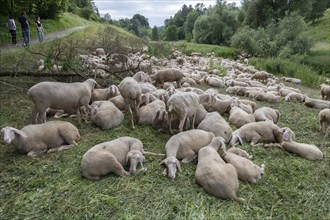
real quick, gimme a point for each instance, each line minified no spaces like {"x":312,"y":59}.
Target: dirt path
{"x":48,"y":37}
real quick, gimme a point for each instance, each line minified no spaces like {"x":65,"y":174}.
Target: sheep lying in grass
{"x":316,"y":103}
{"x":324,"y":117}
{"x":167,"y":75}
{"x":307,"y":151}
{"x":153,"y":113}
{"x":131,"y":92}
{"x":258,"y":133}
{"x":294,"y":96}
{"x":184,"y":146}
{"x":60,"y":113}
{"x":325,"y":91}
{"x":59,"y":95}
{"x":239,"y":117}
{"x":105,"y":94}
{"x":47,"y":137}
{"x":106,"y":115}
{"x":245,"y":168}
{"x":112,"y":157}
{"x":267,"y":113}
{"x":215,"y":176}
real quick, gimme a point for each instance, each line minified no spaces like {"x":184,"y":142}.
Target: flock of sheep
{"x":163,"y":94}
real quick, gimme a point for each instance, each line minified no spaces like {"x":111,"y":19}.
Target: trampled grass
{"x":51,"y":187}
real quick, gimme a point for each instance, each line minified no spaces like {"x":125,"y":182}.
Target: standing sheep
{"x":325,"y":91}
{"x":112,"y":157}
{"x":40,"y":138}
{"x":131,"y":91}
{"x":59,"y":95}
{"x":184,"y":146}
{"x":167,"y":75}
{"x":215,"y":176}
{"x":324,"y":117}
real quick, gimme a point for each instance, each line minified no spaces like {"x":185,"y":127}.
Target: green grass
{"x":320,"y":29}
{"x":51,"y":187}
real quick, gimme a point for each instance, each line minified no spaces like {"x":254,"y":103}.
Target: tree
{"x":317,"y":10}
{"x":143,"y":21}
{"x":171,"y":33}
{"x":154,"y":34}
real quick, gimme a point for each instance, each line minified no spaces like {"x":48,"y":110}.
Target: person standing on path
{"x":40,"y":30}
{"x":12,"y":30}
{"x":25,"y":28}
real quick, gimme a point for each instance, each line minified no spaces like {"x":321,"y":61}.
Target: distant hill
{"x":320,"y":29}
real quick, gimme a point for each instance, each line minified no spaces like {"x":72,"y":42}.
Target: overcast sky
{"x":155,"y":10}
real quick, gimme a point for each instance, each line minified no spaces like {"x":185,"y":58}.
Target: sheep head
{"x":172,"y":164}
{"x":134,"y":157}
{"x":9,"y":134}
{"x":288,"y":134}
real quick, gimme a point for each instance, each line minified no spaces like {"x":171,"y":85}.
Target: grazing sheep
{"x":40,"y":138}
{"x":184,"y":146}
{"x":267,"y":113}
{"x":325,"y":91}
{"x":59,"y":95}
{"x":294,"y":96}
{"x":112,"y":157}
{"x":215,"y":176}
{"x":324,"y":117}
{"x":245,"y":168}
{"x":239,"y":117}
{"x":106,"y":115}
{"x":104,"y":94}
{"x":239,"y":152}
{"x":213,"y":122}
{"x":316,"y":103}
{"x":167,"y":75}
{"x":307,"y":151}
{"x":257,"y":133}
{"x":183,"y":106}
{"x":131,"y":92}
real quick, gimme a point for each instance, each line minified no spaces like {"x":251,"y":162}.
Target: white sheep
{"x":316,"y":103}
{"x":294,"y":96}
{"x":262,"y":76}
{"x":324,"y":118}
{"x":152,"y":113}
{"x":184,"y":146}
{"x":213,"y":122}
{"x":167,"y":75}
{"x":131,"y":92}
{"x":40,"y":138}
{"x":142,"y":77}
{"x":307,"y":151}
{"x":239,"y":117}
{"x":105,"y":94}
{"x":267,"y":113}
{"x":325,"y":91}
{"x":215,"y":176}
{"x":106,"y":115}
{"x":268,"y":97}
{"x":257,"y":133}
{"x":112,"y":157}
{"x":60,"y":95}
{"x":239,"y":152}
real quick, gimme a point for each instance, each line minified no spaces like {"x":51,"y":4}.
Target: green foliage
{"x":154,"y":34}
{"x":159,"y":49}
{"x":319,"y":30}
{"x":171,"y":33}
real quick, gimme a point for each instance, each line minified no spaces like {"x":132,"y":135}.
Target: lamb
{"x":215,"y":176}
{"x":184,"y":146}
{"x":106,"y":115}
{"x":104,"y":94}
{"x":316,"y":103}
{"x":213,"y":122}
{"x":184,"y":106}
{"x":59,"y":95}
{"x":258,"y":132}
{"x":245,"y":168}
{"x":294,"y":96}
{"x":239,"y":117}
{"x":167,"y":75}
{"x":112,"y":157}
{"x":325,"y":91}
{"x":40,"y":138}
{"x":307,"y":151}
{"x":267,"y":113}
{"x":131,"y":92}
{"x":324,"y":117}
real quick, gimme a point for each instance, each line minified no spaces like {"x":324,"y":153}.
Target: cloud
{"x":155,"y":10}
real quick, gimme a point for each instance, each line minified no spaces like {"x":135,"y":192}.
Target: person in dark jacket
{"x":25,"y":28}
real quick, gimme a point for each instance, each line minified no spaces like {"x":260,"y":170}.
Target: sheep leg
{"x":128,"y":107}
{"x":63,"y":147}
{"x":170,"y":122}
{"x":34,"y":115}
{"x":189,"y":158}
{"x":36,"y":152}
{"x":182,"y":121}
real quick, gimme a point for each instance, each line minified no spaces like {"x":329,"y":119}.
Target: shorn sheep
{"x":325,"y":91}
{"x":41,"y":138}
{"x":215,"y":176}
{"x":167,"y":75}
{"x":58,"y":95}
{"x":324,"y":117}
{"x":131,"y":91}
{"x":106,"y":115}
{"x":112,"y":157}
{"x":267,"y":113}
{"x":105,"y":94}
{"x":184,"y":146}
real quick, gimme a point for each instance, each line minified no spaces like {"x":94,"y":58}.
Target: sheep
{"x":239,"y":152}
{"x":60,"y":113}
{"x":112,"y":157}
{"x":215,"y":176}
{"x":267,"y":113}
{"x":257,"y":133}
{"x":213,"y":122}
{"x":221,"y":106}
{"x":239,"y":117}
{"x":316,"y":103}
{"x":60,"y":95}
{"x":119,"y":102}
{"x":37,"y":139}
{"x":200,"y":114}
{"x":291,"y":80}
{"x":148,"y":113}
{"x":147,"y":88}
{"x":268,"y":97}
{"x":167,"y":75}
{"x":105,"y":94}
{"x":184,"y":146}
{"x":184,"y":106}
{"x":106,"y":115}
{"x":324,"y":118}
{"x":131,"y":91}
{"x":294,"y":96}
{"x":245,"y":168}
{"x":325,"y":91}
{"x":248,"y":102}
{"x":262,"y":76}
{"x":306,"y":151}
{"x":142,"y":77}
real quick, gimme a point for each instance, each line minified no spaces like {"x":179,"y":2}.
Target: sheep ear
{"x":178,"y":165}
{"x":19,"y":132}
{"x":129,"y":154}
{"x":162,"y":162}
{"x":240,"y":140}
{"x":286,"y":135}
